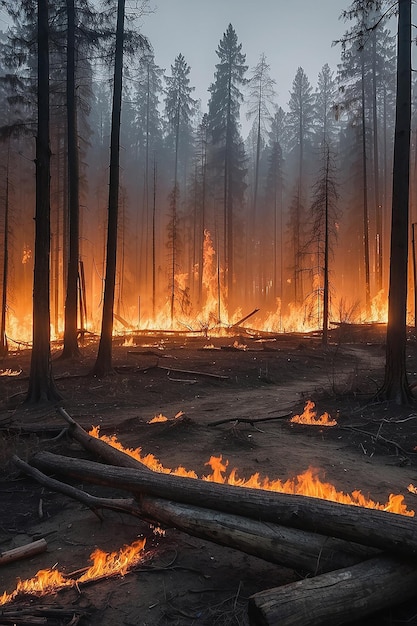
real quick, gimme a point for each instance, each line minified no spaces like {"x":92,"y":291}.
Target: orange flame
{"x":309,"y":416}
{"x":105,"y":564}
{"x":307,"y":483}
{"x":163,"y":418}
{"x":158,"y":418}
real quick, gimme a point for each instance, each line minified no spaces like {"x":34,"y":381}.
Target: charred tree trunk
{"x":41,"y":383}
{"x":70,"y":332}
{"x":103,"y":364}
{"x":337,"y":597}
{"x":365,"y":192}
{"x":395,"y":386}
{"x":380,"y":529}
{"x":3,"y":337}
{"x":298,"y":549}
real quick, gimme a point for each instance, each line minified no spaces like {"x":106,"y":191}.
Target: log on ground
{"x":387,"y":531}
{"x":23,"y":552}
{"x":337,"y":597}
{"x":297,"y":549}
{"x":309,"y":552}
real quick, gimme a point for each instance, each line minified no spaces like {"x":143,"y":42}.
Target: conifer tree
{"x":227,"y":160}
{"x":179,"y":109}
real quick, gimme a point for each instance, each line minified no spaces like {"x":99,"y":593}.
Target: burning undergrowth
{"x":308,"y":483}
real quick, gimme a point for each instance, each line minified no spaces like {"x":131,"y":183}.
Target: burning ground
{"x":223,"y":397}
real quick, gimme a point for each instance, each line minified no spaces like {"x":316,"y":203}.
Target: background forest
{"x":290,"y":219}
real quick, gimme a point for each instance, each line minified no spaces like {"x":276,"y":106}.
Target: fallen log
{"x":298,"y":549}
{"x":121,"y":505}
{"x":243,"y":319}
{"x":380,"y":529}
{"x":98,"y":447}
{"x":23,"y":552}
{"x":337,"y":597}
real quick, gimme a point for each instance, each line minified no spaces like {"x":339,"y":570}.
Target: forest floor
{"x":187,"y":580}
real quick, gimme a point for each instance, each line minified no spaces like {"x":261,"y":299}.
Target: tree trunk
{"x":365,"y":193}
{"x":70,"y":332}
{"x":310,"y":552}
{"x":41,"y":384}
{"x":375,"y":528}
{"x":3,"y":337}
{"x":23,"y":552}
{"x":395,"y":386}
{"x":103,"y":364}
{"x":337,"y":597}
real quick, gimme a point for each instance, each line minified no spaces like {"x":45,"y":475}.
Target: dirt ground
{"x":185,"y":580}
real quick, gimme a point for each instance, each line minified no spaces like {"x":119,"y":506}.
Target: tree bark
{"x":103,"y":364}
{"x":41,"y":384}
{"x":71,"y":348}
{"x":100,"y":448}
{"x":23,"y":552}
{"x":297,"y":549}
{"x":337,"y":597}
{"x":380,"y":529}
{"x":395,"y":386}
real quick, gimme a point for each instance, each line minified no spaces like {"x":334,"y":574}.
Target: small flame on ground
{"x":105,"y":564}
{"x":307,"y":483}
{"x":412,"y":489}
{"x":163,"y":418}
{"x":10,"y":372}
{"x":309,"y":416}
{"x":158,"y":418}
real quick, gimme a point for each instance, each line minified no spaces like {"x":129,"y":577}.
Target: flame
{"x":104,"y":564}
{"x":158,"y":418}
{"x":309,"y":416}
{"x":308,"y":483}
{"x":412,"y":489}
{"x":26,"y":255}
{"x":163,"y":418}
{"x":205,"y":312}
{"x":10,"y":372}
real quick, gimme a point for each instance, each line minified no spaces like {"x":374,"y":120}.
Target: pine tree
{"x":41,"y":383}
{"x":227,"y":160}
{"x":300,"y":120}
{"x":179,"y":110}
{"x":274,"y":198}
{"x":323,"y":234}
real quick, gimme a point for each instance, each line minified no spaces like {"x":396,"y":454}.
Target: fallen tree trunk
{"x":23,"y":552}
{"x":297,"y":549}
{"x":293,"y":548}
{"x":337,"y":597}
{"x":386,"y":531}
{"x":121,"y":505}
{"x":98,"y":447}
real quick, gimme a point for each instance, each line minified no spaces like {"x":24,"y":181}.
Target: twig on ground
{"x":249,"y":420}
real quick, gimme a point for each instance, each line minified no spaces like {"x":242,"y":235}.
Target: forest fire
{"x":308,"y":483}
{"x":309,"y":417}
{"x":210,"y":314}
{"x":104,"y":565}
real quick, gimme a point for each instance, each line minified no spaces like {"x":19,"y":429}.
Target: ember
{"x":307,"y":483}
{"x":309,"y":417}
{"x":104,"y":565}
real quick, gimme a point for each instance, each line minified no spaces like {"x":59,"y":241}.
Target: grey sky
{"x":291,"y":33}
